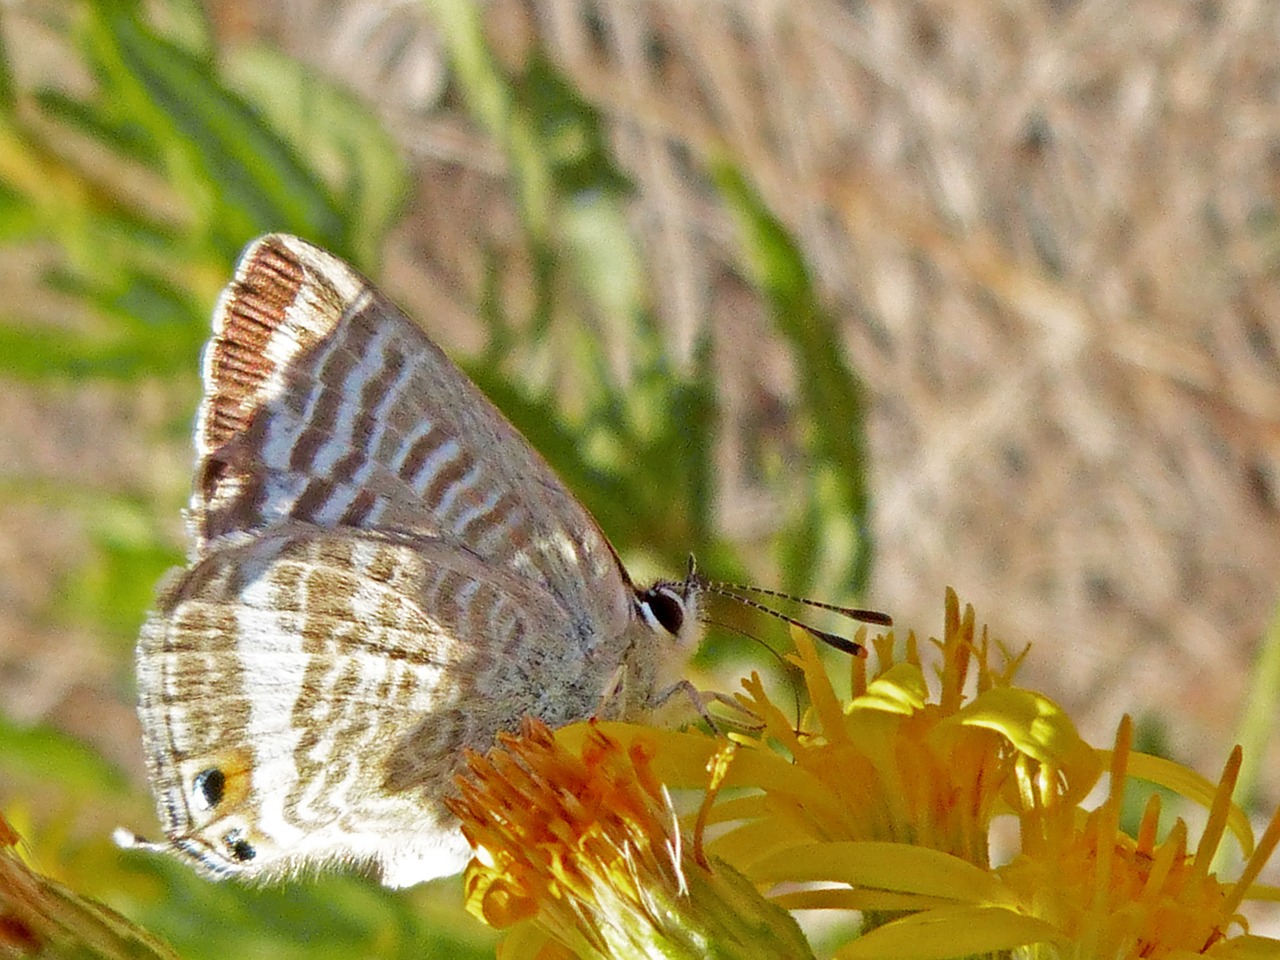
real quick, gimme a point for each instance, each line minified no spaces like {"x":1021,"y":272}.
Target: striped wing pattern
{"x":382,"y":572}
{"x":333,"y":678}
{"x":324,"y":403}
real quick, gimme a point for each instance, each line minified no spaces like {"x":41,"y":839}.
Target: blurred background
{"x":857,"y":299}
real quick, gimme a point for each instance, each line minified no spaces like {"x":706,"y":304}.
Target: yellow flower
{"x":584,"y":839}
{"x":881,"y":805}
{"x":882,"y":783}
{"x":1107,"y":895}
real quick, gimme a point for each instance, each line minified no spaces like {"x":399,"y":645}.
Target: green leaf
{"x":18,"y":219}
{"x":120,"y":134}
{"x":332,"y":916}
{"x":694,"y":417}
{"x":343,"y":142}
{"x":113,"y":590}
{"x":569,"y":132}
{"x":41,"y":356}
{"x":212,"y":139}
{"x":1262,"y":706}
{"x":40,"y":754}
{"x":149,"y":328}
{"x":829,"y":388}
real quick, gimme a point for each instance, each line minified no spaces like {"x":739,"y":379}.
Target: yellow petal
{"x":1245,"y":947}
{"x":821,"y":695}
{"x":680,"y":759}
{"x":948,"y":932}
{"x":1264,"y":892}
{"x":900,"y":690}
{"x":750,"y":843}
{"x":1189,"y":784}
{"x":845,"y":898}
{"x":526,"y":941}
{"x":886,"y":866}
{"x":1037,"y":727}
{"x":752,"y":806}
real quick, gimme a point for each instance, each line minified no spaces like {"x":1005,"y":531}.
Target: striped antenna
{"x":734,"y":591}
{"x":853,"y":613}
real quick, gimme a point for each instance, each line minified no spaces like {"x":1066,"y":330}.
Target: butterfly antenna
{"x":843,"y":644}
{"x":731,"y":592}
{"x":852,"y":613}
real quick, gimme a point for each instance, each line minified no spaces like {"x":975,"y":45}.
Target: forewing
{"x":330,"y":679}
{"x":325,"y":404}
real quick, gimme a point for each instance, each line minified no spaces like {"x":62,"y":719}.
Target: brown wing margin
{"x":236,"y":365}
{"x":274,"y":309}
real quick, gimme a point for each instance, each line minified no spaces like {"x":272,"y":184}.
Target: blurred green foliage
{"x":232,"y":149}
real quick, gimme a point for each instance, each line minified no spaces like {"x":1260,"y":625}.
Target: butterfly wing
{"x":383,"y":572}
{"x":306,"y":696}
{"x":325,"y":404}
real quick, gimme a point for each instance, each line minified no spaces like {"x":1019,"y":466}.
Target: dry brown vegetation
{"x":1050,"y":232}
{"x":1048,"y":228}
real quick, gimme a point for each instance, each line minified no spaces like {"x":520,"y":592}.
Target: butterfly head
{"x":672,"y":608}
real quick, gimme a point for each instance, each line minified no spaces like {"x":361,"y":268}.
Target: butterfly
{"x":382,"y":572}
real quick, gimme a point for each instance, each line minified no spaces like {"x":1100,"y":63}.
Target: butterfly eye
{"x":664,"y":607}
{"x":209,"y":786}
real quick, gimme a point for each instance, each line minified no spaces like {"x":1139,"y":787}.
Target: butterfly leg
{"x":616,"y":704}
{"x":613,"y":697}
{"x":702,"y":700}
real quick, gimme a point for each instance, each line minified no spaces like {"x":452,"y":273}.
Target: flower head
{"x":1107,"y":894}
{"x":584,"y":838}
{"x":880,"y":805}
{"x":900,"y":763}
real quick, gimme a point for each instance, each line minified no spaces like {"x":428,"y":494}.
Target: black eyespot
{"x":666,"y":609}
{"x":210,"y":785}
{"x":240,"y":848}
